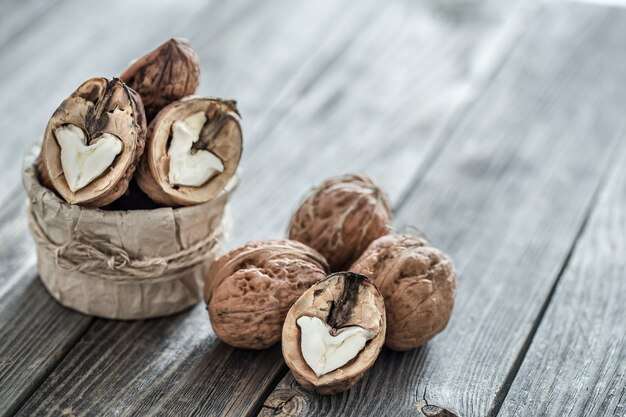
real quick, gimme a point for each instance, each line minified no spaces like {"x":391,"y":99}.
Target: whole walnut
{"x":167,"y":74}
{"x":418,"y":283}
{"x":341,"y":217}
{"x":250,"y":290}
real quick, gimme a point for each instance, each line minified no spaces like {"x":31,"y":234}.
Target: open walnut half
{"x":193,"y":150}
{"x":93,"y":142}
{"x":334,"y":332}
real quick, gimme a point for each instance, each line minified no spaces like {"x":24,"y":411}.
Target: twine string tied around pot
{"x":102,"y":259}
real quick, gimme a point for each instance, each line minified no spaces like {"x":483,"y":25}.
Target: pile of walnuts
{"x":142,"y":140}
{"x":342,"y":284}
{"x":385,"y":287}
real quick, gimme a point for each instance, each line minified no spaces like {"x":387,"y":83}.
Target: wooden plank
{"x":506,"y":199}
{"x":235,"y":25}
{"x":361,"y":118}
{"x":186,"y":370}
{"x":576,"y":365}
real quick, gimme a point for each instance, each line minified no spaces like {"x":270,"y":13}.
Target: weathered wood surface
{"x":327,"y":88}
{"x":506,"y":197}
{"x":194,"y":344}
{"x":576,"y":364}
{"x":23,"y":369}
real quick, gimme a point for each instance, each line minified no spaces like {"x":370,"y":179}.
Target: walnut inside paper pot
{"x":167,"y":74}
{"x":93,"y":142}
{"x":192,"y":151}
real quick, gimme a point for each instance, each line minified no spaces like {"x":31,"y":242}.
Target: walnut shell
{"x":250,"y":289}
{"x":342,"y":300}
{"x":222,"y":137}
{"x":97,"y":106}
{"x":418,"y":282}
{"x":341,"y":217}
{"x":167,"y":74}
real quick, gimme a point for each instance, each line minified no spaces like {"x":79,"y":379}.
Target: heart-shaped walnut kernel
{"x":324,"y":351}
{"x":186,"y":167}
{"x":93,"y":142}
{"x":84,"y":163}
{"x":193,"y":151}
{"x":167,"y":74}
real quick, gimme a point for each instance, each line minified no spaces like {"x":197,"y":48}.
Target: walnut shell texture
{"x":167,"y":74}
{"x":323,"y":300}
{"x":418,"y":282}
{"x":341,"y":217}
{"x":97,"y":106}
{"x":250,"y":289}
{"x":226,"y":143}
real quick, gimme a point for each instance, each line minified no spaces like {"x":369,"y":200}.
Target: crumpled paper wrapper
{"x":123,"y":264}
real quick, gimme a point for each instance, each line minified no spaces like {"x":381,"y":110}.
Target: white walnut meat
{"x":165,"y":75}
{"x":418,"y":282}
{"x":93,"y":142}
{"x":193,"y":150}
{"x":341,"y":217}
{"x":334,"y":332}
{"x":250,"y":289}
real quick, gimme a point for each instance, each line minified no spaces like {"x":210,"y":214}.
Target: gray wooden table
{"x":498,"y":128}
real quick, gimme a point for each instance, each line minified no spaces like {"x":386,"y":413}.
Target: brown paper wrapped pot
{"x":123,"y":264}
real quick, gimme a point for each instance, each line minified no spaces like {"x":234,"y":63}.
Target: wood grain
{"x":358,"y":118}
{"x":576,"y":365}
{"x":240,"y":25}
{"x":506,"y":198}
{"x":180,"y":371}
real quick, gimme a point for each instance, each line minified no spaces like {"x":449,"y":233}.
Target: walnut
{"x":93,"y":142}
{"x":169,"y":73}
{"x":341,"y":217}
{"x":250,"y":289}
{"x":334,"y":332}
{"x":418,"y":282}
{"x":193,"y":150}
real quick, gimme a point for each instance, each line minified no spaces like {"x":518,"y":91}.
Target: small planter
{"x":123,"y":264}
